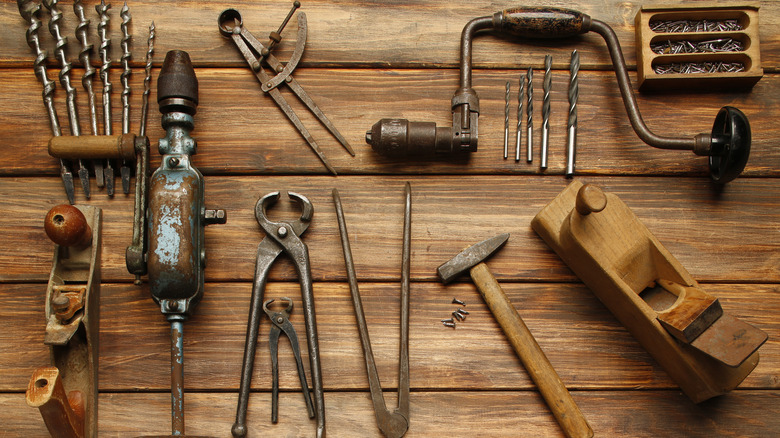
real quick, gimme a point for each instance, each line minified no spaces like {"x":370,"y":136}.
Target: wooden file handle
{"x":531,"y":355}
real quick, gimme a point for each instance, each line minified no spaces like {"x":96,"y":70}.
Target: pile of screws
{"x":458,"y":314}
{"x":677,"y":26}
{"x":699,"y":67}
{"x":669,"y":47}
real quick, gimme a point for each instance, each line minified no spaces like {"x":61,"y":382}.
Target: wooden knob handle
{"x":62,"y":413}
{"x":531,"y":355}
{"x":590,"y":199}
{"x":66,"y":226}
{"x":93,"y":146}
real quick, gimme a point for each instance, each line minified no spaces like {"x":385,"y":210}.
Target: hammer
{"x":539,"y":368}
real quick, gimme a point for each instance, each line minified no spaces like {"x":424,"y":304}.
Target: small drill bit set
{"x":571,"y":131}
{"x":703,"y":47}
{"x":102,"y":152}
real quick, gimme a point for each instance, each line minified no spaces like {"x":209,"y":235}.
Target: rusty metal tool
{"x":531,"y":355}
{"x":177,"y":217}
{"x":727,"y":145}
{"x":571,"y":131}
{"x":66,"y":392}
{"x":61,"y":43}
{"x":519,"y":133}
{"x":703,"y":349}
{"x":256,"y":55}
{"x":82,"y":30}
{"x":282,"y":236}
{"x":280,"y":321}
{"x":546,"y":85}
{"x":105,"y":57}
{"x":124,"y":13}
{"x":529,"y":111}
{"x":31,"y":12}
{"x":392,"y":424}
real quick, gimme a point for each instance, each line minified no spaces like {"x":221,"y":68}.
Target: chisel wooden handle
{"x":531,"y":355}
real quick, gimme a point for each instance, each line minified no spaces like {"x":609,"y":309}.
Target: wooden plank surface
{"x":365,"y":61}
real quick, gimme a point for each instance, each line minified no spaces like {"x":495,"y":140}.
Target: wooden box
{"x":745,"y":32}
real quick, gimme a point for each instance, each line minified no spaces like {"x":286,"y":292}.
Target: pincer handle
{"x":541,"y":22}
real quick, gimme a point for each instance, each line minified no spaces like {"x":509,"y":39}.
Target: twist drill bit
{"x":147,"y":81}
{"x":574,"y":91}
{"x":519,"y":117}
{"x":31,"y":12}
{"x":105,"y":42}
{"x":506,"y":121}
{"x":530,"y":115}
{"x":546,"y":85}
{"x":124,"y":170}
{"x":59,"y":50}
{"x":86,"y":80}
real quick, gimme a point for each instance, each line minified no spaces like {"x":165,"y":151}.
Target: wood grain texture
{"x":456,"y":414}
{"x":367,"y":60}
{"x":358,"y":33}
{"x":705,"y":229}
{"x":239,"y":130}
{"x":587,"y":346}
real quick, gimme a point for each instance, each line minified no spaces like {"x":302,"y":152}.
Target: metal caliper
{"x":256,"y":54}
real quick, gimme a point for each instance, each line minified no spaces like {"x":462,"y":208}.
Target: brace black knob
{"x":730,"y":144}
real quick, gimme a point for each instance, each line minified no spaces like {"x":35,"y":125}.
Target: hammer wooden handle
{"x":531,"y":355}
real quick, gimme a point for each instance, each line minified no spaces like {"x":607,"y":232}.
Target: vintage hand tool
{"x":31,"y":12}
{"x":546,"y":85}
{"x":706,"y":351}
{"x":728,"y":144}
{"x":506,"y":120}
{"x":176,"y":256}
{"x":531,"y":355}
{"x":282,"y":236}
{"x":256,"y":54}
{"x":82,"y":30}
{"x":124,"y":170}
{"x":281,"y":323}
{"x":392,"y":424}
{"x":519,"y":134}
{"x":105,"y":57}
{"x":571,"y":131}
{"x":66,"y":393}
{"x":61,"y":43}
{"x":529,"y":111}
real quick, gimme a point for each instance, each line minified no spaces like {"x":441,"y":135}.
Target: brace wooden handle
{"x":62,"y":413}
{"x":93,"y":146}
{"x":531,"y":355}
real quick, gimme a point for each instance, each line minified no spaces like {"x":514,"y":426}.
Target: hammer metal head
{"x":470,"y":257}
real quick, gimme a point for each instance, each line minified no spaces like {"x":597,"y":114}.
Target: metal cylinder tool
{"x":727,"y":145}
{"x":176,"y":216}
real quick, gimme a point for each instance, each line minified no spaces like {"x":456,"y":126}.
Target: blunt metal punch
{"x":256,"y":55}
{"x":66,"y":392}
{"x":705,"y":350}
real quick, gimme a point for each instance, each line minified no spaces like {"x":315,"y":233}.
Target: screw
{"x":173,"y":161}
{"x":462,"y":312}
{"x":457,"y":301}
{"x":448,"y":320}
{"x":458,"y":316}
{"x":449,"y":324}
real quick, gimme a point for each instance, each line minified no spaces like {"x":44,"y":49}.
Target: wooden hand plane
{"x":66,"y":392}
{"x":704,"y":350}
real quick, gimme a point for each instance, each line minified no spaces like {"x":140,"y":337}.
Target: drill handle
{"x":541,"y":22}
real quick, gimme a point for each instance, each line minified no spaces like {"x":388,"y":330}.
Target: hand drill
{"x":176,"y":256}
